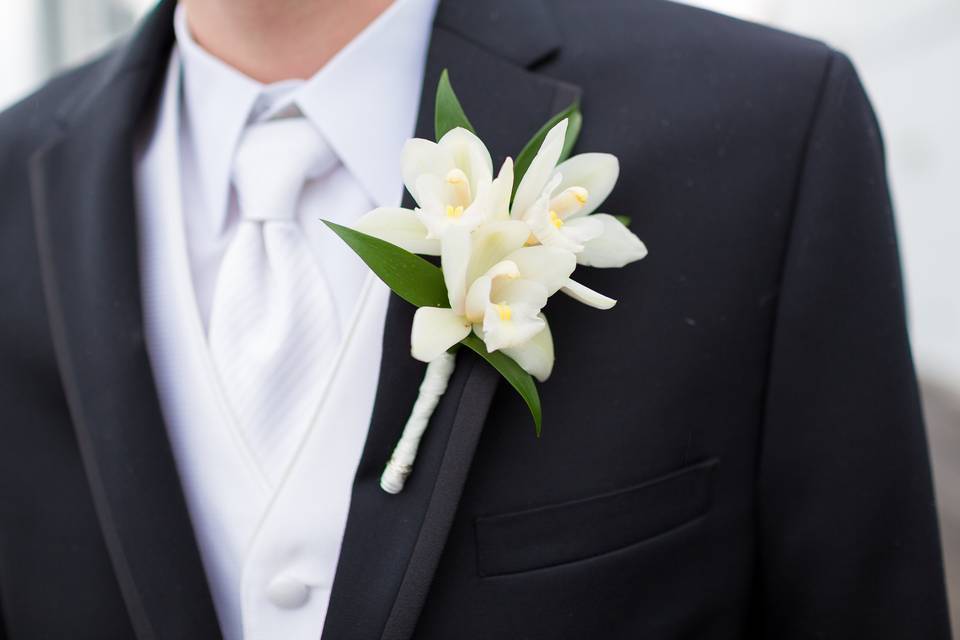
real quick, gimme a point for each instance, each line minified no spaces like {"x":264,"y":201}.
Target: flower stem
{"x":431,"y":389}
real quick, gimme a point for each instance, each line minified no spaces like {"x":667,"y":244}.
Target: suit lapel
{"x":392,"y":544}
{"x":82,"y":186}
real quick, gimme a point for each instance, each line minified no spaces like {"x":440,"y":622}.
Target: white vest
{"x":270,"y":552}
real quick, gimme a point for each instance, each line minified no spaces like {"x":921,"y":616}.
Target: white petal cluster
{"x":501,"y":262}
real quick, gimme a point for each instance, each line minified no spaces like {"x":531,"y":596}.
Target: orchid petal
{"x":596,"y":172}
{"x":423,"y":157}
{"x":551,"y":186}
{"x":479,"y":210}
{"x":581,"y":230}
{"x":518,"y":291}
{"x":541,"y":167}
{"x":586,"y":295}
{"x":478,"y":297}
{"x":550,"y":266}
{"x":536,"y":356}
{"x":436,"y":194}
{"x":500,"y":192}
{"x":547,"y":230}
{"x":435,"y":330}
{"x":454,"y":260}
{"x":433,"y":194}
{"x":398,"y":226}
{"x":492,"y":242}
{"x":520,"y":325}
{"x":615,"y":247}
{"x":504,"y":269}
{"x":469,"y":155}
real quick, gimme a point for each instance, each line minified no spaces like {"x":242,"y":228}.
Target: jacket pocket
{"x":580,"y":529}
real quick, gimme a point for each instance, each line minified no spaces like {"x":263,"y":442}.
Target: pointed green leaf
{"x":448,"y":113}
{"x":624,"y":220}
{"x":514,"y":374}
{"x":408,"y":275}
{"x":525,"y":157}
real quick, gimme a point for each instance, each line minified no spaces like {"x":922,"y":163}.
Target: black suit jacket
{"x":734,"y":451}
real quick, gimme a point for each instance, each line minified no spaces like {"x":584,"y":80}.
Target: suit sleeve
{"x":847,"y":529}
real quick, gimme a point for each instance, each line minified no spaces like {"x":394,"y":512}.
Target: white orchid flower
{"x":541,"y":271}
{"x":502,"y":262}
{"x":452,"y":183}
{"x":557,"y":201}
{"x":506,"y":307}
{"x":496,"y":287}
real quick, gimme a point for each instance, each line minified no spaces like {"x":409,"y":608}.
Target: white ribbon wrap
{"x":431,"y":389}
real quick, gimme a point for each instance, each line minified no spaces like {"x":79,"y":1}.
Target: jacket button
{"x":287,"y":593}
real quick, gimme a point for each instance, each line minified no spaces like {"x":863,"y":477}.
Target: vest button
{"x":287,"y":593}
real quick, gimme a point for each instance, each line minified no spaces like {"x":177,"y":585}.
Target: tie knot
{"x":273,"y":162}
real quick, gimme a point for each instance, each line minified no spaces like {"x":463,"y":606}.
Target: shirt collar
{"x":364,"y":102}
{"x":216,"y":103}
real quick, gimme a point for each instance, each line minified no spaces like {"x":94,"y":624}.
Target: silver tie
{"x":273,"y":328}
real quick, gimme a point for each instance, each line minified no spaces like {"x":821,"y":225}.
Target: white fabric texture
{"x":270,"y":542}
{"x":273,"y":329}
{"x":432,"y":388}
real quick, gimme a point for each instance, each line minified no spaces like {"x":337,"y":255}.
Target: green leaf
{"x":624,"y":220}
{"x":515,"y":375}
{"x":409,"y":276}
{"x":525,"y":157}
{"x":448,"y":113}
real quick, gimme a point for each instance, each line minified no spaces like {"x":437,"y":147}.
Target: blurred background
{"x":908,"y":54}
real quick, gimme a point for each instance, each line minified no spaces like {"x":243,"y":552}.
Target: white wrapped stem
{"x":431,"y":389}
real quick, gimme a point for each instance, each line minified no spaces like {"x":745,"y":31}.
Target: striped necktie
{"x":273,"y":328}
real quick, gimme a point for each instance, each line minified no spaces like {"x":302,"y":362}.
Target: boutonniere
{"x":506,"y":243}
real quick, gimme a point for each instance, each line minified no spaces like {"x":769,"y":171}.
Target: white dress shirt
{"x":364,"y":103}
{"x":270,"y":542}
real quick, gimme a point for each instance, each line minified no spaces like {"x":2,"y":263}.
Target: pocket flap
{"x":579,"y":529}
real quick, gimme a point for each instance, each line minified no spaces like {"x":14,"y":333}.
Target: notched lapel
{"x":393,"y":543}
{"x":82,"y":188}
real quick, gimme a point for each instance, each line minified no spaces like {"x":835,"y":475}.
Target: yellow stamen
{"x":580,"y":195}
{"x":454,"y":211}
{"x":555,"y":220}
{"x":504,"y":312}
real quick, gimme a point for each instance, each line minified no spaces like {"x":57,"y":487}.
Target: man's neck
{"x":273,"y":40}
